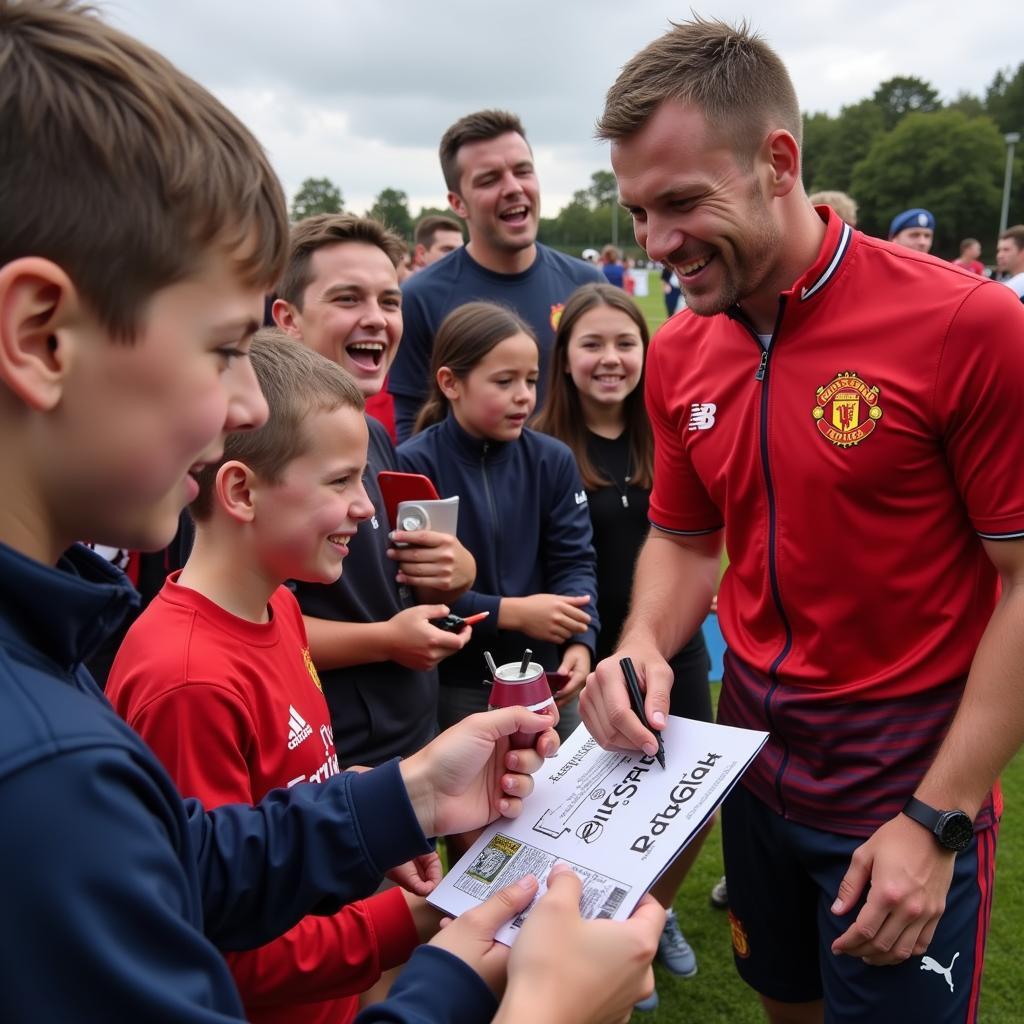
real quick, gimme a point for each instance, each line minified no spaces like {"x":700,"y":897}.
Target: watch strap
{"x":922,"y":813}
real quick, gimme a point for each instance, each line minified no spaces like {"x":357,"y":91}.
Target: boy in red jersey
{"x":216,"y":675}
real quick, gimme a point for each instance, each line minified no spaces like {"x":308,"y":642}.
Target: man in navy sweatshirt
{"x":492,"y":185}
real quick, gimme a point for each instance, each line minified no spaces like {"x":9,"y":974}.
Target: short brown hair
{"x":966,"y":244}
{"x":119,"y":168}
{"x":326,"y":229}
{"x":428,"y":227}
{"x":296,"y":382}
{"x":478,"y":127}
{"x":1015,"y":234}
{"x":729,"y":73}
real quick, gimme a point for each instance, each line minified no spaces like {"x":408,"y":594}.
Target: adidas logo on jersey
{"x":298,"y":728}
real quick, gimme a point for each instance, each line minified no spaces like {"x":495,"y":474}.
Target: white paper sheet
{"x":618,"y":819}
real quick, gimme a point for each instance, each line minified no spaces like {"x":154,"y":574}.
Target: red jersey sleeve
{"x":201,"y":734}
{"x":679,"y":501}
{"x":327,"y":957}
{"x":979,"y":397}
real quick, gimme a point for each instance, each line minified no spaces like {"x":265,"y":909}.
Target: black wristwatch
{"x":952,"y":829}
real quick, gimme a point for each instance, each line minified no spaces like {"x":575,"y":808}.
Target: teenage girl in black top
{"x":595,"y":405}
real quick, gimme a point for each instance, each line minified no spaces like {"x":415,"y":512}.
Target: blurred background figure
{"x":435,"y":236}
{"x":970,"y":256}
{"x":914,"y":229}
{"x":611,"y":266}
{"x":843,"y":204}
{"x":1010,"y":258}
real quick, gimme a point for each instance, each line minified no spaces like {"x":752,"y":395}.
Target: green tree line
{"x":901,"y":147}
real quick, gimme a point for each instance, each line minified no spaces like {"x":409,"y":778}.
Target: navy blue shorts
{"x":783,"y":877}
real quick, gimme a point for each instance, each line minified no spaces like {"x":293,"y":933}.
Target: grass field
{"x":717,"y":996}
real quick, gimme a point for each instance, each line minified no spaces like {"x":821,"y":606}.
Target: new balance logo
{"x":702,"y":415}
{"x":928,"y":964}
{"x":298,"y":728}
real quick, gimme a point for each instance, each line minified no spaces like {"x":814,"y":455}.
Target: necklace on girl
{"x":624,"y":487}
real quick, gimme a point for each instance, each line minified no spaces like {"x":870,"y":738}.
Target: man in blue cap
{"x":914,"y":229}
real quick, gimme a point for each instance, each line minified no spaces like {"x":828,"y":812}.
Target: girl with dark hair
{"x":522,"y":509}
{"x":595,"y":404}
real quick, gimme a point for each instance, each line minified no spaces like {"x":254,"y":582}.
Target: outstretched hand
{"x":419,"y":875}
{"x":468,"y":776}
{"x":471,"y":936}
{"x":567,"y":969}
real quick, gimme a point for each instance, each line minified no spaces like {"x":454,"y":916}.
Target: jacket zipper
{"x":495,"y":532}
{"x":762,"y":376}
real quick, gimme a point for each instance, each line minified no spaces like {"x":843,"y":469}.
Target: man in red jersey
{"x":843,"y":413}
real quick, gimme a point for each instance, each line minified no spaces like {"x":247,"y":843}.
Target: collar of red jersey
{"x":834,"y":247}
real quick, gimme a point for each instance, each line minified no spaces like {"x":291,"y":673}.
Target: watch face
{"x":955,"y":830}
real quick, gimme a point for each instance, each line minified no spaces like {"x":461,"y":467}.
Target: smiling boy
{"x":370,"y":632}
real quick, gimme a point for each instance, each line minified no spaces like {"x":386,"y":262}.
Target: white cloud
{"x":360,"y":91}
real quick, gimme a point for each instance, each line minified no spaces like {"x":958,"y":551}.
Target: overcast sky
{"x":360,"y":91}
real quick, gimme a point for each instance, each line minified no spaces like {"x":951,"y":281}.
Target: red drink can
{"x":529,"y":689}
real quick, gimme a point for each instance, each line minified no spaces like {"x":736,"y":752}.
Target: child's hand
{"x":567,"y":969}
{"x":576,"y":664}
{"x":432,"y":559}
{"x":416,"y":644}
{"x":551,"y":617}
{"x":471,"y":936}
{"x":419,"y":875}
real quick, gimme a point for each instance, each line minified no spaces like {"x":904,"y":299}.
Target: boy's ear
{"x":286,"y":316}
{"x":38,"y":303}
{"x":233,"y":491}
{"x":448,"y":383}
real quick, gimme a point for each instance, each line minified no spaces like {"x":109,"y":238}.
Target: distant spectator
{"x":590,"y":255}
{"x":611,"y":266}
{"x":406,"y":267}
{"x":914,"y":229}
{"x":843,"y":204}
{"x":670,"y":288}
{"x":970,"y":250}
{"x":628,"y":281}
{"x":434,"y":237}
{"x":1010,"y":258}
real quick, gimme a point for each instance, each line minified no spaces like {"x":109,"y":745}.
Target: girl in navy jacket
{"x":522,"y":509}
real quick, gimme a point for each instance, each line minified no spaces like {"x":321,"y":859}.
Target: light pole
{"x":1011,"y":139}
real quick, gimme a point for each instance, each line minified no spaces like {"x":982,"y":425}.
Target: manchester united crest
{"x":740,"y":941}
{"x":846,"y":409}
{"x":311,"y":668}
